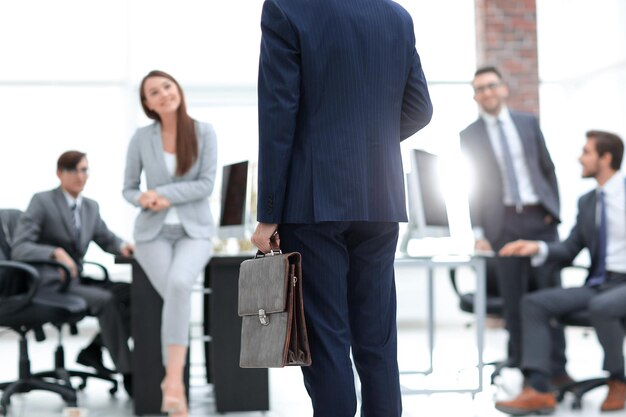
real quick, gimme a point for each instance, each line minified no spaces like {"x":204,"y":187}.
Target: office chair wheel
{"x":3,"y":410}
{"x":113,"y":390}
{"x":577,"y":403}
{"x":83,"y":384}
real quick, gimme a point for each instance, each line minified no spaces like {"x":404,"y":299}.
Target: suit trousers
{"x":606,"y":308}
{"x":112,"y":314}
{"x":517,"y":277}
{"x":350,"y":303}
{"x":172,"y":261}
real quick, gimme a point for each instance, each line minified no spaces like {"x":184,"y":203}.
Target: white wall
{"x":582,"y":66}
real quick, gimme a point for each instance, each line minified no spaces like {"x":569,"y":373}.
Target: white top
{"x":524,"y":183}
{"x":615,"y":200}
{"x":170,"y":164}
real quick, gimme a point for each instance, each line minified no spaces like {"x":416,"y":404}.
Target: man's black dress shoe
{"x":93,"y":358}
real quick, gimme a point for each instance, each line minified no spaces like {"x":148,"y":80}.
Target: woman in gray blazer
{"x":174,"y":227}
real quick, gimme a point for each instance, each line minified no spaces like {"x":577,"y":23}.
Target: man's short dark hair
{"x":69,"y":160}
{"x":485,"y":70}
{"x":608,"y":142}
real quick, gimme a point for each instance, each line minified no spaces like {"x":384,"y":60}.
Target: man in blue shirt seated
{"x":601,"y":228}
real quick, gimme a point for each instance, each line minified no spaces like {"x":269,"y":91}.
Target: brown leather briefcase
{"x":273,"y":331}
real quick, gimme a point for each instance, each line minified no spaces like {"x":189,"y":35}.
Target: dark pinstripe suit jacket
{"x":583,"y":235}
{"x":340,"y":85}
{"x":486,"y":203}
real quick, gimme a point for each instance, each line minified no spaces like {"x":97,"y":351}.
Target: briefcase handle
{"x":275,"y":238}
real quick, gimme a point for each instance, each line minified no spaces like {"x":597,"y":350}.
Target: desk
{"x":431,"y":263}
{"x":235,"y":388}
{"x":145,"y":328}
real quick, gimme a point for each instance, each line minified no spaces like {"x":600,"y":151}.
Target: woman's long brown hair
{"x":186,"y":140}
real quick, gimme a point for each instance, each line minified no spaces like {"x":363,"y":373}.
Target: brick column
{"x":506,"y":37}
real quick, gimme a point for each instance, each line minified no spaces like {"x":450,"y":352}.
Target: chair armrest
{"x":455,"y":286}
{"x":31,"y":274}
{"x":56,"y":264}
{"x":105,"y":271}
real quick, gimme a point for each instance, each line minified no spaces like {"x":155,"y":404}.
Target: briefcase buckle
{"x":265,"y":321}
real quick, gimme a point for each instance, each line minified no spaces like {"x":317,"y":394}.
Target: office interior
{"x":69,"y":74}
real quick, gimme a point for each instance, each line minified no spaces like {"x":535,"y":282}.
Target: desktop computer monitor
{"x":428,"y":216}
{"x":235,"y":207}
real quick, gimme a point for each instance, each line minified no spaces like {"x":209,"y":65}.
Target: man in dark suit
{"x":515,"y":197}
{"x":601,"y":228}
{"x":60,"y":224}
{"x":340,"y":85}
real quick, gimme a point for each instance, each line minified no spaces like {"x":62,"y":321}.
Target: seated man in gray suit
{"x":59,"y":224}
{"x":601,"y":228}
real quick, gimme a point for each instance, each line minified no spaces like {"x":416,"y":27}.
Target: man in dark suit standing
{"x":601,"y":228}
{"x":515,"y":197}
{"x":60,"y":224}
{"x":340,"y":85}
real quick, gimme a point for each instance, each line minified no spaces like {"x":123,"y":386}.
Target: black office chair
{"x":8,"y":221}
{"x":22,"y":312}
{"x":494,"y":305}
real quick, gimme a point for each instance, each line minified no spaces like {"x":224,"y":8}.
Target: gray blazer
{"x":189,"y":193}
{"x":47,"y":224}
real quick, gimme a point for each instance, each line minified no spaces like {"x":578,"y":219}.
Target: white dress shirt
{"x":524,"y":183}
{"x":170,"y":164}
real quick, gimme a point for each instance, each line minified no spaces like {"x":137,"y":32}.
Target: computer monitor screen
{"x":428,"y":216}
{"x":235,"y":200}
{"x":433,"y":204}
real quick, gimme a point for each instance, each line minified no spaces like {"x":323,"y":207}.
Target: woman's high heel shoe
{"x":173,"y":405}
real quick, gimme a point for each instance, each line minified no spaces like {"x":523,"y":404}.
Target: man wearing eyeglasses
{"x":60,"y":224}
{"x":515,"y":196}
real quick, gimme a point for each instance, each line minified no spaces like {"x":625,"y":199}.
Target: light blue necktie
{"x":74,"y":208}
{"x":510,"y":171}
{"x":599,"y":272}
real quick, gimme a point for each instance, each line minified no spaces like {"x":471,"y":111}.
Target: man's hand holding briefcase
{"x":273,"y":330}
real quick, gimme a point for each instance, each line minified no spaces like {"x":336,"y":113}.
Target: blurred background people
{"x":173,"y":230}
{"x":60,"y":224}
{"x":601,"y":228}
{"x":515,"y":197}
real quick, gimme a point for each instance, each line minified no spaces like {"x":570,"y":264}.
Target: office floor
{"x":453,"y":358}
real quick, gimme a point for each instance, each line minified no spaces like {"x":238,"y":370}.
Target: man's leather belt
{"x":525,"y":208}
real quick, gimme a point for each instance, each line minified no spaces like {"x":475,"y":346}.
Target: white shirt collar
{"x":614,"y":185}
{"x":504,"y":115}
{"x":71,"y":200}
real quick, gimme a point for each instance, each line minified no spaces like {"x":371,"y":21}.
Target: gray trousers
{"x":516,"y":278}
{"x":114,"y":324}
{"x":172,"y":261}
{"x":606,"y":308}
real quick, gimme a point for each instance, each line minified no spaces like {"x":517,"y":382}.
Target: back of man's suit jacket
{"x":340,"y":85}
{"x":487,"y":200}
{"x":47,"y":224}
